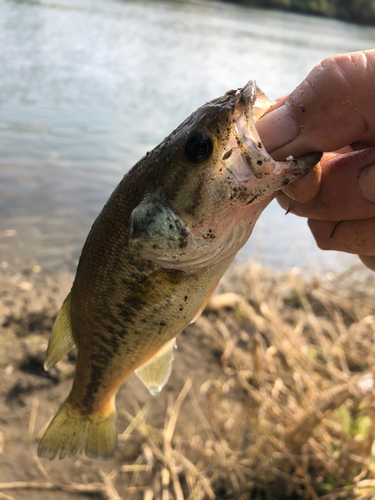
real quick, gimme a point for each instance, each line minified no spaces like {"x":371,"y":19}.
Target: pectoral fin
{"x":155,"y":373}
{"x":61,"y":341}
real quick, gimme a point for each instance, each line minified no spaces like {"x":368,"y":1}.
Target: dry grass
{"x":291,"y":416}
{"x":302,"y":355}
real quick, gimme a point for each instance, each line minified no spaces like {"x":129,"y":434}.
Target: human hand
{"x":333,"y":108}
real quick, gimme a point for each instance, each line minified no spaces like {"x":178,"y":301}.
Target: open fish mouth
{"x":246,"y":158}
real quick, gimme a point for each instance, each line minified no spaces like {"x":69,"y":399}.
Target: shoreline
{"x":355,"y":13}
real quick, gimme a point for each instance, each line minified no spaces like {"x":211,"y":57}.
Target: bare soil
{"x":29,"y":396}
{"x":271,"y":396}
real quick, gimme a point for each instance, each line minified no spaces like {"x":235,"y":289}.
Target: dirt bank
{"x":271,"y":396}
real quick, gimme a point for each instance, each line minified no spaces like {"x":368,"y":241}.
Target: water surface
{"x":87,"y":88}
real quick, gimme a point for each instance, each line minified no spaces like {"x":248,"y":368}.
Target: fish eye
{"x":198,"y":147}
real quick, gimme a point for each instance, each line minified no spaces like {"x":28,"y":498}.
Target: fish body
{"x":154,"y":255}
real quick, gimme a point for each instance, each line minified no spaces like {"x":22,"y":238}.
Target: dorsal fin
{"x":61,"y":341}
{"x":155,"y":373}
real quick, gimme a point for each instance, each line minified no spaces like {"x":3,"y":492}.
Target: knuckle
{"x":348,"y":71}
{"x":338,"y":69}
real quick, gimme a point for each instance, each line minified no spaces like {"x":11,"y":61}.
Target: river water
{"x":86,"y":88}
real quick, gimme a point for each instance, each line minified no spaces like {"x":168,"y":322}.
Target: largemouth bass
{"x":153,"y":257}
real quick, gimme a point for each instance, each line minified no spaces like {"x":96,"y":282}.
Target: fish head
{"x":214,"y":180}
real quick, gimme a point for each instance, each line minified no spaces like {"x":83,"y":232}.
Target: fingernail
{"x":278,"y":128}
{"x":366,"y":183}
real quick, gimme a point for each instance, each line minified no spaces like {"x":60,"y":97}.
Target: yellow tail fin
{"x":71,"y":431}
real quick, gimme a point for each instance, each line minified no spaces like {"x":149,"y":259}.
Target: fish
{"x":154,"y":256}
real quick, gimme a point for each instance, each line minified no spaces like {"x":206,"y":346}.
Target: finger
{"x":368,"y":261}
{"x":330,"y":109}
{"x":306,"y":188}
{"x":347,"y":189}
{"x":356,"y":237}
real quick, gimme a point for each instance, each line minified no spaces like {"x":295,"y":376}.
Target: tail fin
{"x":70,"y":432}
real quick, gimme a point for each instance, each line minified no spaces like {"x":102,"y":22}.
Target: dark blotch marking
{"x":113,"y":320}
{"x":259,"y":162}
{"x":251,"y":200}
{"x":175,"y":276}
{"x":113,"y":338}
{"x":93,"y":386}
{"x":227,"y":154}
{"x":99,"y":362}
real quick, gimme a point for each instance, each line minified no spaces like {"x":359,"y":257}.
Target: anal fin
{"x":155,"y":373}
{"x":61,"y":341}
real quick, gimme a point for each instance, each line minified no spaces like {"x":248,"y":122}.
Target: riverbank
{"x":354,"y":11}
{"x":271,"y":396}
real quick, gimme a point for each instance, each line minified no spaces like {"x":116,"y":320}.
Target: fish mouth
{"x":247,"y":159}
{"x":156,"y":230}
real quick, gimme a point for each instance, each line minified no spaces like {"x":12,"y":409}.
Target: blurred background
{"x":88,"y":87}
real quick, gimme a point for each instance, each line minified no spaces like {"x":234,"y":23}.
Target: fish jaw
{"x":247,"y":159}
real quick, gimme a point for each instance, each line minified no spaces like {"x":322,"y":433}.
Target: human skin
{"x":332,"y":109}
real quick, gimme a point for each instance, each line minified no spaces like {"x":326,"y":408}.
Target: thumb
{"x":332,"y":108}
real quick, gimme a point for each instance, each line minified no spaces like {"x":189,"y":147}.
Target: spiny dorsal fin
{"x":61,"y":341}
{"x":155,"y":373}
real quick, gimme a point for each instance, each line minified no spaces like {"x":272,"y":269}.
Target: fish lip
{"x":255,"y":160}
{"x":249,"y":161}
